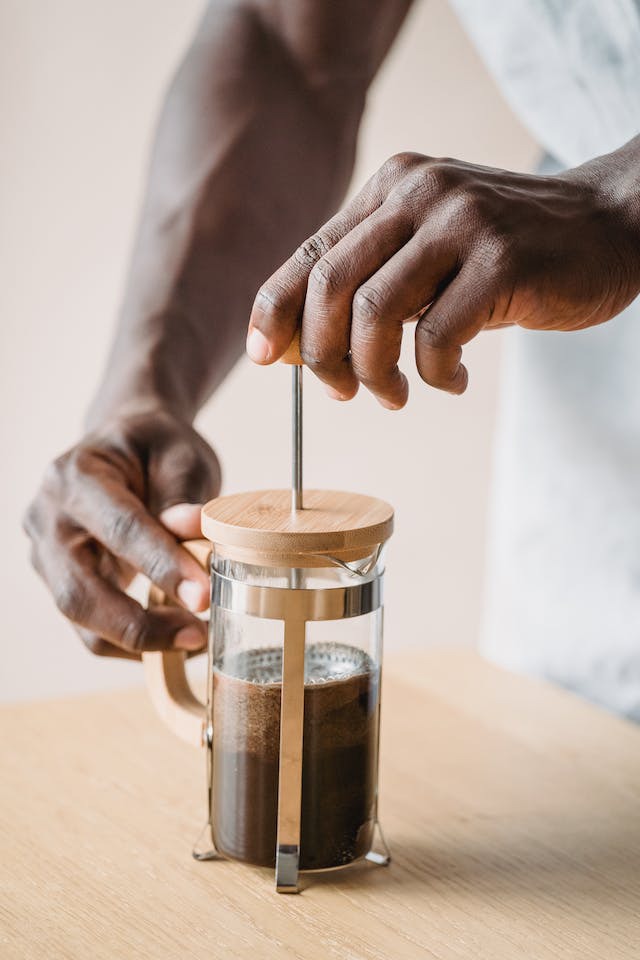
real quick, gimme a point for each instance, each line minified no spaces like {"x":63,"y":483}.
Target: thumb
{"x":183,"y":520}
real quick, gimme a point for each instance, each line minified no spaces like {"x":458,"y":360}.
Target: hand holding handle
{"x":165,"y":675}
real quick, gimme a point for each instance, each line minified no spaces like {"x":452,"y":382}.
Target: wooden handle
{"x":292,"y":354}
{"x":165,"y":676}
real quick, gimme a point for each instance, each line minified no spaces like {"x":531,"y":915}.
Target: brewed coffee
{"x":339,"y":755}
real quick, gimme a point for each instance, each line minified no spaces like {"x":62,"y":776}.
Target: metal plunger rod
{"x":296,"y":437}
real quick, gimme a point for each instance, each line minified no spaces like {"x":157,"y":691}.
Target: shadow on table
{"x":512,"y":859}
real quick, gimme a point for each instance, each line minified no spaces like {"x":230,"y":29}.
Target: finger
{"x":463,"y":308}
{"x":102,"y":505}
{"x":119,"y":575}
{"x":100,"y":647}
{"x":326,"y":318}
{"x":70,"y":563}
{"x":96,"y":605}
{"x":397,"y":292}
{"x":277,"y":309}
{"x":114,"y":617}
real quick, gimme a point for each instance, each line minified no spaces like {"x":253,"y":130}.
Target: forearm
{"x":253,"y":150}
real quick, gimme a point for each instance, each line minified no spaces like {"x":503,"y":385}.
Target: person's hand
{"x":117,"y":503}
{"x":459,"y":248}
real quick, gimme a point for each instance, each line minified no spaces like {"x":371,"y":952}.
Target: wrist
{"x":128,"y":391}
{"x":101,"y":413}
{"x":615,"y":181}
{"x":621,"y":185}
{"x":612,"y":186}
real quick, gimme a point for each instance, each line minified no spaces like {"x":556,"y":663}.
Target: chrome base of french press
{"x":287,"y":858}
{"x":287,"y":871}
{"x":379,"y":852}
{"x":204,"y":847}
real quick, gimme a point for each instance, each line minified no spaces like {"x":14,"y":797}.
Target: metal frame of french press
{"x":295,"y":606}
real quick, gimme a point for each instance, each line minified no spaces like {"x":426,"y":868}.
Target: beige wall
{"x":80,"y":82}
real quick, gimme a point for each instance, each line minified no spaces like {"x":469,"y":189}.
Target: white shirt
{"x":563,"y":573}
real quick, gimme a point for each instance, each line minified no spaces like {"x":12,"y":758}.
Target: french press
{"x":291,"y":722}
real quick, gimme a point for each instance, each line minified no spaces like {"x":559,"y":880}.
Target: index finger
{"x":278,"y":306}
{"x":113,"y":514}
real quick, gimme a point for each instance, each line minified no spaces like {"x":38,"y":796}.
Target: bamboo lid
{"x":344,"y":525}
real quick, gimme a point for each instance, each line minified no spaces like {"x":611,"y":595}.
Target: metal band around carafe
{"x":284,"y":603}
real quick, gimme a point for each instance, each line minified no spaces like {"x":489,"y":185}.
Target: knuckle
{"x":317,"y":358}
{"x":183,"y":455}
{"x":368,"y":305}
{"x":440,"y":175}
{"x":325,"y":277}
{"x":96,"y":645}
{"x":270,"y":299}
{"x":432,"y":180}
{"x":309,"y":252}
{"x":121,"y":530}
{"x":161,"y":570}
{"x":431,"y":331}
{"x":134,"y":634}
{"x":71,"y":598}
{"x":410,"y":188}
{"x":193,"y":471}
{"x":429,"y":179}
{"x":397,"y":166}
{"x":126,"y":536}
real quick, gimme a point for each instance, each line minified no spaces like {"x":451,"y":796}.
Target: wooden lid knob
{"x":292,"y":353}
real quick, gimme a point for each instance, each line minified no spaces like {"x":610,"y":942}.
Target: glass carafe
{"x":291,"y":723}
{"x":341,"y":708}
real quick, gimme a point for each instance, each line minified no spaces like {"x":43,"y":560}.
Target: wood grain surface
{"x":512,"y":811}
{"x":332,"y":521}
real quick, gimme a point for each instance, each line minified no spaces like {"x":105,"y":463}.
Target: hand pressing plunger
{"x":460,"y":248}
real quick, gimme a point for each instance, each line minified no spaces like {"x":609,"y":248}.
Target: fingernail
{"x":389,"y":405}
{"x":334,"y":394}
{"x":192,"y":595}
{"x":189,"y":638}
{"x":258,"y":346}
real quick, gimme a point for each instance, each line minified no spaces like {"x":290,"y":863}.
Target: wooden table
{"x":512,"y":810}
